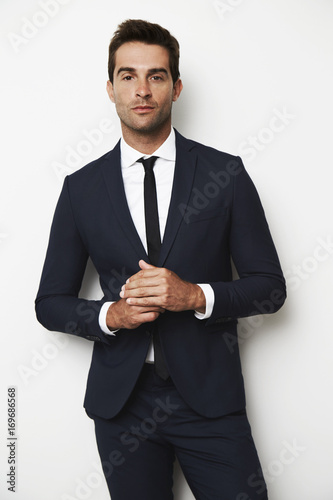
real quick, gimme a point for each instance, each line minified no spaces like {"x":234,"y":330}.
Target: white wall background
{"x":242,"y":64}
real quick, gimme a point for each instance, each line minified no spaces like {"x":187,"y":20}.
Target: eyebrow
{"x":150,"y":71}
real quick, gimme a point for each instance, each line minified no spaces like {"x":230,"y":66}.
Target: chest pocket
{"x":200,"y":215}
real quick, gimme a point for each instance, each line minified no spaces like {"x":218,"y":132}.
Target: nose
{"x":143,"y":89}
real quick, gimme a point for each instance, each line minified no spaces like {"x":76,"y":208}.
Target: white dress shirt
{"x":133,"y":176}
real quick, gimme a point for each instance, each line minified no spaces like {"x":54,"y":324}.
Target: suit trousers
{"x":138,"y":448}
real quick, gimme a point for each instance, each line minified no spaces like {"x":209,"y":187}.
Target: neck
{"x":145,"y":142}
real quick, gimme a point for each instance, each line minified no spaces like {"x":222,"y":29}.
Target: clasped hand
{"x":150,"y":292}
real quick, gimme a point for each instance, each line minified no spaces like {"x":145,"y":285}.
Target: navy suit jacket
{"x":215,"y":215}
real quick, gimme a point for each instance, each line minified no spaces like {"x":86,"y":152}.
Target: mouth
{"x":142,"y":109}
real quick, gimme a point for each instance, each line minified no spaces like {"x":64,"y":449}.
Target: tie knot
{"x":148,"y":163}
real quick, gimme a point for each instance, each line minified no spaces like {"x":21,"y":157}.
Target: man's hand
{"x":122,"y":315}
{"x":161,"y":288}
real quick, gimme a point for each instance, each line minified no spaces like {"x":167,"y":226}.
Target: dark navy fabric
{"x":138,"y":448}
{"x":215,"y":215}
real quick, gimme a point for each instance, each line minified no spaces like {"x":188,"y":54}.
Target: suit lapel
{"x":185,"y":166}
{"x":182,"y":185}
{"x":111,"y":170}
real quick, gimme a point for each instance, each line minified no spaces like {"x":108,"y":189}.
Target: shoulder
{"x":208,"y":154}
{"x":93,"y":169}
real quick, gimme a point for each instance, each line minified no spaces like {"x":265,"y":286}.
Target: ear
{"x":177,"y":88}
{"x":109,"y":89}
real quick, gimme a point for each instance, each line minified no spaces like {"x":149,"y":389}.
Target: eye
{"x":156,"y":78}
{"x":128,"y":77}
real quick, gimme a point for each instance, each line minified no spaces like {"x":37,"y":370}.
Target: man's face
{"x":142,"y":89}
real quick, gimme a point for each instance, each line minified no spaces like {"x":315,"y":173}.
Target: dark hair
{"x":137,"y":30}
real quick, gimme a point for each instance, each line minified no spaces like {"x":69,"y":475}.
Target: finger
{"x":140,"y":309}
{"x":142,"y":286}
{"x":148,"y":277}
{"x":144,"y":273}
{"x":155,"y":290}
{"x":145,"y":302}
{"x":146,"y":269}
{"x":148,"y":317}
{"x":144,"y":265}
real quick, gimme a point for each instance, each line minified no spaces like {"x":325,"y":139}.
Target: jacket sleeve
{"x":58,"y":307}
{"x":260,"y":288}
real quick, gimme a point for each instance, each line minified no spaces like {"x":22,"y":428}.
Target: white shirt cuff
{"x":210,"y":299}
{"x":209,"y":296}
{"x":102,"y":319}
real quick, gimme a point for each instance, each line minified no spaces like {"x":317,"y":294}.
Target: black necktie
{"x":151,"y":211}
{"x":154,"y":246}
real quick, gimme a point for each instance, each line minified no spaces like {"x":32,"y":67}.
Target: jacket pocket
{"x":208,"y":214}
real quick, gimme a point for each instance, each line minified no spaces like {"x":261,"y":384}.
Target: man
{"x":161,"y":216}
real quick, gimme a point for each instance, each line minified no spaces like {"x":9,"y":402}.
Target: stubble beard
{"x":152,"y":127}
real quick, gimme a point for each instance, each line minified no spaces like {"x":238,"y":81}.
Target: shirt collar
{"x":167,"y":151}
